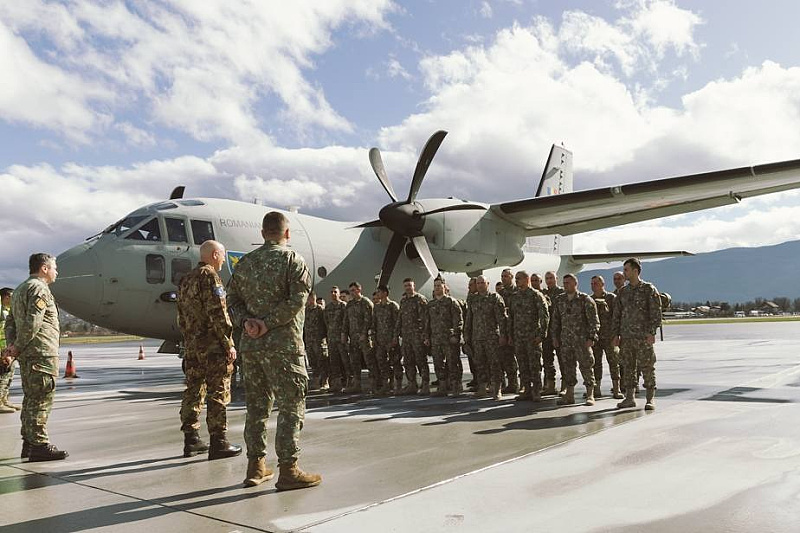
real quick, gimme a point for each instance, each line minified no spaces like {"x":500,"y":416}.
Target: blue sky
{"x":109,"y":104}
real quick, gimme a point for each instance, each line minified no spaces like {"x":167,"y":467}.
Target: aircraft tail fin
{"x":556,"y":179}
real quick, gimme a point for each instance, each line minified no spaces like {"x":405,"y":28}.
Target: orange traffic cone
{"x":141,"y":352}
{"x":70,"y":372}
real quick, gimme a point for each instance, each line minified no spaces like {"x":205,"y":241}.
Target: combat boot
{"x":313,"y":384}
{"x":426,"y":389}
{"x":497,"y":391}
{"x":26,"y":450}
{"x":411,"y":388}
{"x":480,"y":391}
{"x":590,"y":395}
{"x":651,"y":400}
{"x":257,"y":472}
{"x":568,"y":398}
{"x":291,"y":478}
{"x":398,"y":387}
{"x":630,"y":399}
{"x":549,"y":387}
{"x":325,"y":387}
{"x":597,"y":392}
{"x":536,"y":395}
{"x":563,"y":390}
{"x":457,"y":389}
{"x":513,"y":385}
{"x":525,"y":393}
{"x":615,"y":392}
{"x":192,"y":445}
{"x":46,"y":452}
{"x":221,"y":448}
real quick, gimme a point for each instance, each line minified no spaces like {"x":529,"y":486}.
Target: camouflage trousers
{"x":208,"y":379}
{"x":638,"y":356}
{"x":384,"y":359}
{"x":274,"y":379}
{"x":362,"y":350}
{"x":487,"y":358}
{"x":5,"y":381}
{"x":39,"y":390}
{"x":339,"y":362}
{"x":549,"y":356}
{"x":318,"y":356}
{"x":415,"y":359}
{"x":396,"y":362}
{"x":529,"y":356}
{"x":612,"y":356}
{"x":508,"y":362}
{"x":447,"y":364}
{"x":575,"y":353}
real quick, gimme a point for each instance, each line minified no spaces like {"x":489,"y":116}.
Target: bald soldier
{"x":208,"y":354}
{"x":528,"y":319}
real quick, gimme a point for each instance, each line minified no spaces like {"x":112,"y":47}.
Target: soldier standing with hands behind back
{"x":209,"y":354}
{"x":6,"y":371}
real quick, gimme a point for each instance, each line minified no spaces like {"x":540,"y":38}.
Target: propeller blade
{"x":390,"y":259}
{"x":177,"y":192}
{"x":370,"y":224}
{"x":424,"y":162}
{"x":380,"y":171}
{"x":425,"y":254}
{"x":456,"y":207}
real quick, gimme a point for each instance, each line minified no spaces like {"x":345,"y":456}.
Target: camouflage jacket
{"x":272,"y":283}
{"x":384,"y":318}
{"x":637,"y":312}
{"x":334,"y":319}
{"x":4,"y":312}
{"x":574,"y":321}
{"x":507,"y":293}
{"x":358,"y":318}
{"x":32,"y":326}
{"x":486,"y":318}
{"x":528,"y":316}
{"x":412,"y":321}
{"x":605,"y":311}
{"x":314,"y":325}
{"x":445,"y":320}
{"x":203,"y":311}
{"x":552,"y":294}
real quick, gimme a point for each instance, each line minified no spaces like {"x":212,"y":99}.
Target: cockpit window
{"x":147,"y":232}
{"x":176,"y":229}
{"x":202,"y":231}
{"x":125,"y":224}
{"x":191,"y":203}
{"x":161,"y":206}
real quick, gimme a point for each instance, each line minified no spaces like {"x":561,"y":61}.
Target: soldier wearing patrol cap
{"x":209,"y":354}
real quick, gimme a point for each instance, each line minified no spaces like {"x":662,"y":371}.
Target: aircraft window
{"x":180,"y":267}
{"x":155,"y":269}
{"x":191,"y":203}
{"x":322,"y":272}
{"x":202,"y":231}
{"x":176,"y":230}
{"x":125,"y":224}
{"x":164,"y":205}
{"x":148,"y":232}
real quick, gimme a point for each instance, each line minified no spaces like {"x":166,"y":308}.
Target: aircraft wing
{"x":583,"y":259}
{"x":582,"y":211}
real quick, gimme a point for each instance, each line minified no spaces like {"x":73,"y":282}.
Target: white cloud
{"x":486,"y":10}
{"x":199,"y":67}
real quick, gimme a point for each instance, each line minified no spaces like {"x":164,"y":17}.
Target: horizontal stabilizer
{"x":583,"y":259}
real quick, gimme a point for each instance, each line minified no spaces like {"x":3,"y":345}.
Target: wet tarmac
{"x":720,"y":453}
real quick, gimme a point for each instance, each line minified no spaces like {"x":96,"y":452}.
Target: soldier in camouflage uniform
{"x":508,"y":358}
{"x":637,"y":316}
{"x":268,"y":291}
{"x":412,"y":327}
{"x":339,"y":360}
{"x":528,"y":319}
{"x":387,"y":353}
{"x":472,"y":288}
{"x":446,"y":325}
{"x":605,"y":308}
{"x":550,"y":352}
{"x":314,"y":334}
{"x":32,"y":332}
{"x":6,"y":373}
{"x":209,"y":354}
{"x":357,"y":328}
{"x":574,"y":328}
{"x":619,"y":282}
{"x":486,"y":329}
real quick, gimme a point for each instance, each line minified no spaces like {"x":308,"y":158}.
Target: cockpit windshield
{"x":125,"y":224}
{"x":147,"y":232}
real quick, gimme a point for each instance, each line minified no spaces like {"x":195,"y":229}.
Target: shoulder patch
{"x":40,"y":304}
{"x":219,"y":291}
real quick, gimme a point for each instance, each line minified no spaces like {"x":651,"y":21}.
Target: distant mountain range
{"x":731,"y":275}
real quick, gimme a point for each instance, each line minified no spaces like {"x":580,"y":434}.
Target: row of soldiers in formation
{"x":509,"y":336}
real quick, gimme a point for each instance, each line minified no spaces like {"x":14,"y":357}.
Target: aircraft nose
{"x":78,"y":288}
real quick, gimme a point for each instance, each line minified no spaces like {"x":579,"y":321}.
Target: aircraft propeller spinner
{"x":406,"y":218}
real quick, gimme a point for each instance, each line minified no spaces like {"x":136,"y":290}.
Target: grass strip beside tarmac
{"x":99,"y":339}
{"x":731,"y":320}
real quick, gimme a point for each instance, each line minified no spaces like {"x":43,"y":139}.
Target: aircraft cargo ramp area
{"x":720,"y":453}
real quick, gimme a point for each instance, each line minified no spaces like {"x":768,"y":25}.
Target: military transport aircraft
{"x":126,"y":277}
